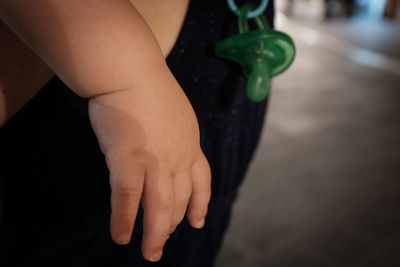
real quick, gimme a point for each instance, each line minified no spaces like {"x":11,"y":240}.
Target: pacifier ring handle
{"x":243,"y":21}
{"x":251,"y":14}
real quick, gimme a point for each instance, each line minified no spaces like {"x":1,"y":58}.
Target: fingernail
{"x":199,"y":224}
{"x":123,"y":239}
{"x":167,"y":237}
{"x":156,"y":256}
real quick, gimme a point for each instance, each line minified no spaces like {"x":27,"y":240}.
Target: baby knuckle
{"x":125,"y":190}
{"x":204,"y":189}
{"x":181,"y":206}
{"x":165,"y":207}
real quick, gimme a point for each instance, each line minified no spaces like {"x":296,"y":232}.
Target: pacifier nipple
{"x":259,"y":83}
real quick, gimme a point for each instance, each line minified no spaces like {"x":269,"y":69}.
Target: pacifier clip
{"x":262,"y":53}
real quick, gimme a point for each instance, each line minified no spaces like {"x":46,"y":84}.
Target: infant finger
{"x":158,"y":204}
{"x":126,"y":182}
{"x":201,"y":192}
{"x":182,"y":190}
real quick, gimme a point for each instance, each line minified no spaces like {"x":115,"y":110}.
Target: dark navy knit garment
{"x":56,"y":199}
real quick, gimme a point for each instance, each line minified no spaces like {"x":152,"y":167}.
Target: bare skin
{"x":104,"y":50}
{"x":23,"y":73}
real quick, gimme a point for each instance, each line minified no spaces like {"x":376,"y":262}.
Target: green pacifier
{"x":262,"y":53}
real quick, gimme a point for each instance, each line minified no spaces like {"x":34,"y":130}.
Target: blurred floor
{"x":324,"y":186}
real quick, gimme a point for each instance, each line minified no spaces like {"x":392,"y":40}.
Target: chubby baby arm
{"x":145,"y":125}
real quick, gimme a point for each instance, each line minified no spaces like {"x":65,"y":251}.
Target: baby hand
{"x":150,"y":139}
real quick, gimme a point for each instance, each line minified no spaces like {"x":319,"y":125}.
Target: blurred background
{"x":324,"y":186}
